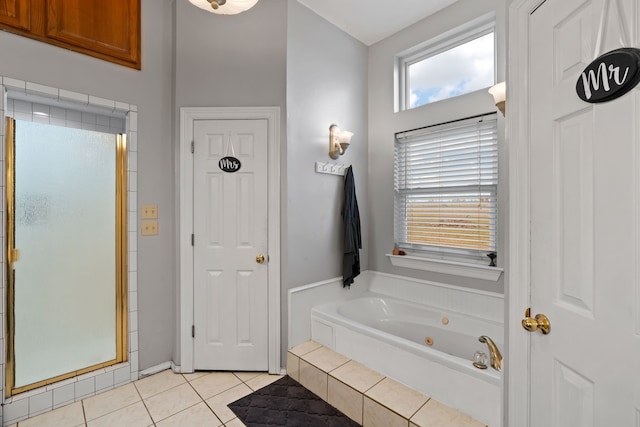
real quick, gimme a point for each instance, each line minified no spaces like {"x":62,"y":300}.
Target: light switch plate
{"x":149,"y":228}
{"x":149,"y":211}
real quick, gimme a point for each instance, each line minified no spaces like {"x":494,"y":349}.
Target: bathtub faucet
{"x":496,"y":357}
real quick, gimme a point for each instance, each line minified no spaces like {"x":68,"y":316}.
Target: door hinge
{"x":193,"y":147}
{"x":193,"y":240}
{"x":193,"y":331}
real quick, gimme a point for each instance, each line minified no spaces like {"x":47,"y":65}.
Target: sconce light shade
{"x":339,"y":141}
{"x":224,"y":7}
{"x":499,"y":93}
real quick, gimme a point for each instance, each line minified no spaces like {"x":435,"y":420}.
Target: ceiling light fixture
{"x":224,"y":7}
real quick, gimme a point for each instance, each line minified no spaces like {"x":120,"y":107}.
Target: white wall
{"x":150,"y":90}
{"x":326,"y":83}
{"x":384,"y":123}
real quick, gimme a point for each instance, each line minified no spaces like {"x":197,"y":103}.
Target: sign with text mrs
{"x":610,"y":76}
{"x":229,"y":164}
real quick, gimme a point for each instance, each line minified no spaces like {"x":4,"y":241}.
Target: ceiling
{"x":373,"y":20}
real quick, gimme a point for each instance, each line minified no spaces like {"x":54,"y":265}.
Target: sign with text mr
{"x":610,"y":76}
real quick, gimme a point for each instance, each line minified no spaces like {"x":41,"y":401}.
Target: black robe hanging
{"x":352,"y":234}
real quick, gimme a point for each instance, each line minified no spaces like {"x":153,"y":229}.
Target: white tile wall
{"x":3,"y":103}
{"x":63,"y":395}
{"x":104,"y":381}
{"x":41,"y":113}
{"x":74,"y":389}
{"x":40,"y":403}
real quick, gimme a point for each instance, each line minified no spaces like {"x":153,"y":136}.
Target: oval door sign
{"x":229,"y":164}
{"x":610,"y":76}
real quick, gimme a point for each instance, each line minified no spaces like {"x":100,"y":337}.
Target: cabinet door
{"x":106,"y":29}
{"x":15,"y":13}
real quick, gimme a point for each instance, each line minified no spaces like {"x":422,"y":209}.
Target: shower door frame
{"x":12,"y":256}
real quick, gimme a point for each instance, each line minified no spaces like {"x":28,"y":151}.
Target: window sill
{"x":476,"y":271}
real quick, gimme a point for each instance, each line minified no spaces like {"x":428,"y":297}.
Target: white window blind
{"x":446,"y":179}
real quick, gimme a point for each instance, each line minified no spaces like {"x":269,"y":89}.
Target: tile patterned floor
{"x":366,"y":396}
{"x":200,"y":399}
{"x":165,"y":399}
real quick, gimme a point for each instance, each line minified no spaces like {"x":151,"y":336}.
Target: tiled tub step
{"x":365,"y":396}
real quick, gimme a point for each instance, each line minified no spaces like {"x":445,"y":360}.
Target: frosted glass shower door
{"x":65,"y":298}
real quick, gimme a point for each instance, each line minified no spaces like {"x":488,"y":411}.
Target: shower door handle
{"x":14,"y":255}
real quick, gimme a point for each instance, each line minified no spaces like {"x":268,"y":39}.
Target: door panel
{"x":65,"y":225}
{"x":584,"y":222}
{"x":230,"y":224}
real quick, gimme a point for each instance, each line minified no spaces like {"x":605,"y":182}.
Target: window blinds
{"x":445,"y":182}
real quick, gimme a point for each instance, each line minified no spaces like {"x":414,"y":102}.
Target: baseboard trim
{"x":155,"y":369}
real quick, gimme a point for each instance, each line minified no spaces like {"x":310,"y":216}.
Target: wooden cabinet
{"x":15,"y":14}
{"x":105,"y":29}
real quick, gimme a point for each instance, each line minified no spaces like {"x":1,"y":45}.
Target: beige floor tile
{"x":262,"y":380}
{"x":219,"y":402}
{"x":293,"y":366}
{"x":436,"y":414}
{"x":305,"y":348}
{"x":213,"y":383}
{"x":235,"y":423}
{"x":357,"y":376}
{"x":376,"y":415}
{"x":195,"y":416}
{"x":325,"y":359}
{"x":157,"y":383}
{"x":313,"y":379}
{"x":134,"y":415}
{"x":402,"y":399}
{"x":246,"y":376}
{"x":195,"y":375}
{"x":66,"y":416}
{"x":171,"y":402}
{"x":109,"y":401}
{"x":345,"y":399}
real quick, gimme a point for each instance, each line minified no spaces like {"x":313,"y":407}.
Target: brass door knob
{"x":538,"y":323}
{"x":260,"y":259}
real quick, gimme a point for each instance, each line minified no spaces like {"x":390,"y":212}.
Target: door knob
{"x":538,"y":323}
{"x":260,"y":259}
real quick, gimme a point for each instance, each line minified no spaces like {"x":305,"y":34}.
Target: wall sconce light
{"x":224,"y":7}
{"x":499,"y":93}
{"x":339,"y":141}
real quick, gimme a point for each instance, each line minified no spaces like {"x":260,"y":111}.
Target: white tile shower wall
{"x":41,"y":113}
{"x":74,"y":389}
{"x":3,"y":103}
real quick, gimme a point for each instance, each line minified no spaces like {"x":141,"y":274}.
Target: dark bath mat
{"x":285,"y":403}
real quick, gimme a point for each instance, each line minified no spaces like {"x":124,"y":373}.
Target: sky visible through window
{"x":463,"y":69}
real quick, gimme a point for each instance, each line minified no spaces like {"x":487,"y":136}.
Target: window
{"x":453,"y":65}
{"x":445,"y":188}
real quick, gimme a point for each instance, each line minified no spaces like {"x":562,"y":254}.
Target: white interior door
{"x":230,"y":232}
{"x":584,"y":162}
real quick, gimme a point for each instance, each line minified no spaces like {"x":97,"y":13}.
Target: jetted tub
{"x":423,"y":347}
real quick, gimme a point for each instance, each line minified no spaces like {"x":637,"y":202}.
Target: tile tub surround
{"x":165,"y":399}
{"x":366,"y":396}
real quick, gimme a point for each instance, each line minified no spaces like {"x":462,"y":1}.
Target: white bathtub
{"x":388,"y":335}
